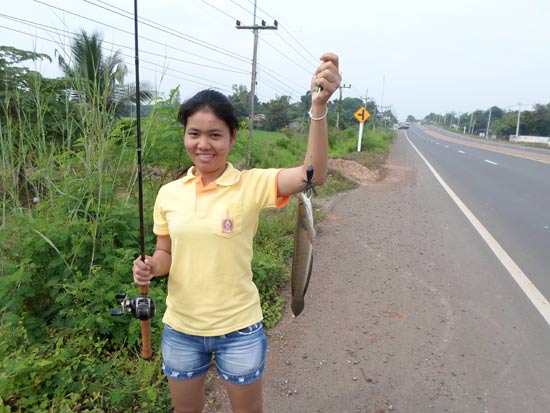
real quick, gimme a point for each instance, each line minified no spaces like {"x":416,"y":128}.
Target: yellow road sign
{"x":362,"y":114}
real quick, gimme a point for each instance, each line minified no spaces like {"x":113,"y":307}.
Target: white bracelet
{"x":322,"y":117}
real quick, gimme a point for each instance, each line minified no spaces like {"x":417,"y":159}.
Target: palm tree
{"x":98,"y":80}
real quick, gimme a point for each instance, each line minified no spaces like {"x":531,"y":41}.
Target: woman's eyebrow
{"x":193,"y":129}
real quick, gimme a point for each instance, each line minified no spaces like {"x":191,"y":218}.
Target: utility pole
{"x":382,"y":98}
{"x":488,"y":122}
{"x":343,"y":86}
{"x":255,"y":29}
{"x":517,"y":125}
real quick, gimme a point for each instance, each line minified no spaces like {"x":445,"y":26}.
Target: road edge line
{"x":535,"y":296}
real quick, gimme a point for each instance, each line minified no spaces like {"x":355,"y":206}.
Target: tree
{"x":277,"y":113}
{"x":98,"y":80}
{"x":537,"y":122}
{"x":505,"y":125}
{"x":241,"y":100}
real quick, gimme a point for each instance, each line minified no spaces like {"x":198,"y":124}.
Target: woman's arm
{"x":291,"y":180}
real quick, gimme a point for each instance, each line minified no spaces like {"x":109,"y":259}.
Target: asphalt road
{"x":508,"y":193}
{"x":408,"y":309}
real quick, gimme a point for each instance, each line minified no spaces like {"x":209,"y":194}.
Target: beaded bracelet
{"x":320,"y":118}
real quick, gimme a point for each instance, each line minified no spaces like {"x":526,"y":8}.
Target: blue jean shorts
{"x":239,"y":356}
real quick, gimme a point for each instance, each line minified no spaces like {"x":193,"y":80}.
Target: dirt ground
{"x":284,"y":338}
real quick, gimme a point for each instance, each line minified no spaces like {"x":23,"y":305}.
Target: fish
{"x":302,"y":261}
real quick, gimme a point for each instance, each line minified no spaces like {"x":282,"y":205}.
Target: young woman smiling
{"x":205,"y":223}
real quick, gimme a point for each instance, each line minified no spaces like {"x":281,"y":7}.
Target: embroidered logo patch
{"x":228,"y":225}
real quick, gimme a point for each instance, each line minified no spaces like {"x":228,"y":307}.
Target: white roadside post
{"x":362,"y":114}
{"x":360,"y":137}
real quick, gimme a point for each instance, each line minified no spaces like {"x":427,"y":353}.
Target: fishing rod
{"x":142,"y":307}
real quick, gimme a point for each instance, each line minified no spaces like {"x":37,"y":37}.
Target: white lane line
{"x":531,"y":291}
{"x":491,"y":162}
{"x":461,"y":151}
{"x":447,"y":146}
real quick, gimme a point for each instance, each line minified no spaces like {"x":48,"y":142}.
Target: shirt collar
{"x":229,"y":177}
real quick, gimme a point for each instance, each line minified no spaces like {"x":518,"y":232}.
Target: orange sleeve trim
{"x":161,"y":235}
{"x":280,"y":201}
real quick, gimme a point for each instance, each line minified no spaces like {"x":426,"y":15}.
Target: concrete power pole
{"x":343,"y":86}
{"x":255,"y":29}
{"x":488,"y":123}
{"x":517,"y":125}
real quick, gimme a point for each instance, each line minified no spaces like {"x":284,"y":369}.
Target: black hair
{"x":217,"y":102}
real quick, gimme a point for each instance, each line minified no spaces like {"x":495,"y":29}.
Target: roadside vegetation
{"x":69,"y":227}
{"x":502,"y":123}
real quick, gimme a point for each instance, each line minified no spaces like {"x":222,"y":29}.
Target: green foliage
{"x":69,"y":233}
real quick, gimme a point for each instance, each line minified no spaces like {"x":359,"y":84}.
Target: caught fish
{"x":302,"y":262}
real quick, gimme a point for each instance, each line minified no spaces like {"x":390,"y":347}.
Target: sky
{"x":417,"y":56}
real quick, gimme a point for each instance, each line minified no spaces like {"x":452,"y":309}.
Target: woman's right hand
{"x":143,"y":270}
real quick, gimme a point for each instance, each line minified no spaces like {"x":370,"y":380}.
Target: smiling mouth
{"x":204,"y":157}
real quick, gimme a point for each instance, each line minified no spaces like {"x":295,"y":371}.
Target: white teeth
{"x":204,"y":156}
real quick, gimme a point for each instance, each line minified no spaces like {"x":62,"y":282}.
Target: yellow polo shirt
{"x":210,"y":287}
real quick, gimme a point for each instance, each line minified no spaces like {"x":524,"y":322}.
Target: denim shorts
{"x":239,"y":356}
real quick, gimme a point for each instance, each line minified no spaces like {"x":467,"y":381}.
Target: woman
{"x":205,"y":223}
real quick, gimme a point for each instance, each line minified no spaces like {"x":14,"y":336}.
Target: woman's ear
{"x":233,"y":138}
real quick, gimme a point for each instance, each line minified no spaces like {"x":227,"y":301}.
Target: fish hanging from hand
{"x":304,"y":233}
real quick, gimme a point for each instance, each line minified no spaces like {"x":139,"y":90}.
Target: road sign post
{"x":362,"y":114}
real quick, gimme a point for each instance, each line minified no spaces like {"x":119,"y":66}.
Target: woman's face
{"x":208,"y":140}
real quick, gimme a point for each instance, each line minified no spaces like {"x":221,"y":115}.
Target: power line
{"x":219,"y":10}
{"x":165,"y":28}
{"x":73,"y":36}
{"x":287,"y":32}
{"x":181,"y":36}
{"x":125,"y":55}
{"x":286,"y":80}
{"x":265,"y":71}
{"x":54,"y":30}
{"x":286,"y":57}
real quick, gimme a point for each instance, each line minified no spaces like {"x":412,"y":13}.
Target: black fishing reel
{"x":142,"y":307}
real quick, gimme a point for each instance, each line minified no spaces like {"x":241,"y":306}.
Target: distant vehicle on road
{"x":404,"y":125}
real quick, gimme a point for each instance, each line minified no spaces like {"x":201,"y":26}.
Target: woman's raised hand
{"x":327,"y":77}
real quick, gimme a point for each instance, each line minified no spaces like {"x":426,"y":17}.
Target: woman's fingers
{"x":142,"y":271}
{"x":327,"y":77}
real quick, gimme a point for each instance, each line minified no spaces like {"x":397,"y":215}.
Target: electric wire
{"x":287,"y":32}
{"x":54,"y":30}
{"x":162,"y":27}
{"x":265,"y":71}
{"x":184,"y":37}
{"x":165,"y":27}
{"x":285,"y":81}
{"x":167,"y":69}
{"x":219,"y":10}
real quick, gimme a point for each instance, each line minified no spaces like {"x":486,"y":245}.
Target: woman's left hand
{"x":327,"y":76}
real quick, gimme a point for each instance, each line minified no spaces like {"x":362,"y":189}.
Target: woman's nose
{"x":203,"y":142}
